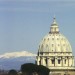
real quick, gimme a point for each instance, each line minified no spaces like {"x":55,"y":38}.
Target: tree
{"x":12,"y":72}
{"x":30,"y":68}
{"x":42,"y":70}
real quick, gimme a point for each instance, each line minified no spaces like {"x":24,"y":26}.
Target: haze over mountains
{"x":14,"y":60}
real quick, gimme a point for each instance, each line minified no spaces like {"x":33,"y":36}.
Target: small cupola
{"x":54,"y":27}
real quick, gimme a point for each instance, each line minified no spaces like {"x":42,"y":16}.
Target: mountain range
{"x":14,"y":60}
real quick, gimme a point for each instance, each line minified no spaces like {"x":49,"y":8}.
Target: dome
{"x":54,"y":41}
{"x":55,"y":51}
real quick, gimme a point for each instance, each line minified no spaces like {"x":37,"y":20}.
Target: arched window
{"x":47,"y":48}
{"x":48,"y":39}
{"x":52,"y":50}
{"x":58,"y":61}
{"x":58,"y":44}
{"x":57,"y":38}
{"x":40,"y":62}
{"x":52,"y":45}
{"x":55,"y":29}
{"x":53,"y":61}
{"x":52,"y":38}
{"x":65,"y":61}
{"x":46,"y":61}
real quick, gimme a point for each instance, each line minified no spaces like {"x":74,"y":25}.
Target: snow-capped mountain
{"x":14,"y":60}
{"x":17,"y":54}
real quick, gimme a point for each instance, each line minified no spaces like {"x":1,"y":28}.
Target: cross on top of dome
{"x":54,"y":21}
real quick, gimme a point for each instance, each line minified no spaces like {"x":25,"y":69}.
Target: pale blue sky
{"x":23,"y":23}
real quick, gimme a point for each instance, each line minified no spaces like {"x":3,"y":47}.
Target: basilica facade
{"x":55,"y":51}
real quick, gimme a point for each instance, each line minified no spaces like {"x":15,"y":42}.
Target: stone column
{"x":41,"y":61}
{"x":44,"y":61}
{"x":56,"y":62}
{"x":38,"y":60}
{"x":48,"y":61}
{"x":63,"y":59}
{"x":68,"y":61}
{"x":73,"y":61}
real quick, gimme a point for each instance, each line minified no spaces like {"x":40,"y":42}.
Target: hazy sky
{"x":23,"y":23}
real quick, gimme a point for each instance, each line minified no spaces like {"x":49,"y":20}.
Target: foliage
{"x":12,"y":72}
{"x":43,"y":70}
{"x":30,"y":68}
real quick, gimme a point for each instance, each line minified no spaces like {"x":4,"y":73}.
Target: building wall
{"x":66,"y":72}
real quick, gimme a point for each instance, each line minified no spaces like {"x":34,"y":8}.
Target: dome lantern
{"x":54,"y":27}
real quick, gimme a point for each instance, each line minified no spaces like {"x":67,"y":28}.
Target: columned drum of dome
{"x":54,"y":50}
